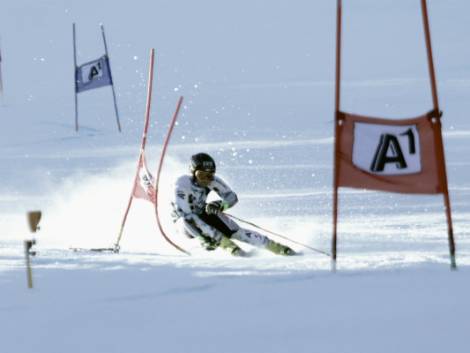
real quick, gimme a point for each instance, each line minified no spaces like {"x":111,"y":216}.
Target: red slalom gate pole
{"x":337,"y":133}
{"x":142,"y":146}
{"x":157,"y":181}
{"x":438,"y":137}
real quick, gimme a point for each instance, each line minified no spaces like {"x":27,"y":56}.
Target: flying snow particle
{"x":136,"y":57}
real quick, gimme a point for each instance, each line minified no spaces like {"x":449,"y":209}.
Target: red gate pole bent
{"x":438,"y":137}
{"x":142,"y":146}
{"x":337,"y":132}
{"x":157,"y":181}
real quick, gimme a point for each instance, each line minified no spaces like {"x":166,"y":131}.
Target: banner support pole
{"x":337,"y":131}
{"x":111,"y":77}
{"x":75,"y":75}
{"x":427,"y":36}
{"x":1,"y":79}
{"x":442,"y":167}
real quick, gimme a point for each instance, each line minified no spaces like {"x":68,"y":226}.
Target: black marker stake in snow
{"x":93,"y":74}
{"x":33,"y":220}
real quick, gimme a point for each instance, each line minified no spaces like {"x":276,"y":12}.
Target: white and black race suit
{"x":190,"y":215}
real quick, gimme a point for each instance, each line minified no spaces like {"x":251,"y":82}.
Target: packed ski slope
{"x":258,"y":82}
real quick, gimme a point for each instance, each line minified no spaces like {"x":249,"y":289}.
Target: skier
{"x":206,"y":221}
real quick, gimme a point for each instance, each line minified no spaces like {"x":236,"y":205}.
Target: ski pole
{"x":277,"y":234}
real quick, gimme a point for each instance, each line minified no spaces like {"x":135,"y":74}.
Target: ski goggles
{"x":204,"y":175}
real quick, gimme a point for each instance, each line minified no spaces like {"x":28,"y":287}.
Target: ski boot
{"x":279,"y":249}
{"x":208,"y":243}
{"x":230,"y":246}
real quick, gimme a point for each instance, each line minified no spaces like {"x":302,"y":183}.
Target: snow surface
{"x":258,"y":82}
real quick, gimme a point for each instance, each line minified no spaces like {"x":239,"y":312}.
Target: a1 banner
{"x":93,"y":74}
{"x":390,"y":155}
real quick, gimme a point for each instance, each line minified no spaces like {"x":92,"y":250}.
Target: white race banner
{"x":385,"y":149}
{"x":93,"y":74}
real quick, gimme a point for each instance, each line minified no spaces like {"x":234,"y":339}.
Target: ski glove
{"x":215,"y":207}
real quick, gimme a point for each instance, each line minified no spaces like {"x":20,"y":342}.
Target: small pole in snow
{"x":27,"y":252}
{"x":33,"y":219}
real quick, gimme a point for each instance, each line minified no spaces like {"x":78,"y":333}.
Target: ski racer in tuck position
{"x":206,"y":221}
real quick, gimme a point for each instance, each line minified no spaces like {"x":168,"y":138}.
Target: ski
{"x":113,"y":250}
